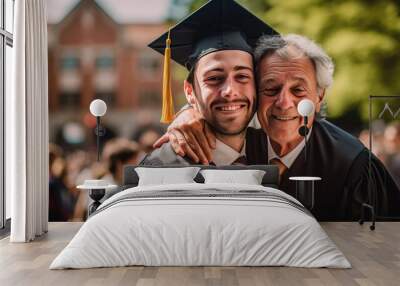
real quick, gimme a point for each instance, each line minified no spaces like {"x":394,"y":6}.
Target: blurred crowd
{"x":385,"y":142}
{"x":70,"y":167}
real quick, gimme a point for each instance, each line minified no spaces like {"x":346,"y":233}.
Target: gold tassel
{"x":168,"y":112}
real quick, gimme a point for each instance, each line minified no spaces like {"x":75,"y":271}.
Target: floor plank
{"x":374,"y":255}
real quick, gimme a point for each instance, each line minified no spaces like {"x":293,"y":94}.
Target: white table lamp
{"x":97,"y":188}
{"x":98,"y":108}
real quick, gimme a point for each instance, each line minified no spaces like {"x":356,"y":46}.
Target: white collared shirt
{"x":290,"y":157}
{"x":226,"y":155}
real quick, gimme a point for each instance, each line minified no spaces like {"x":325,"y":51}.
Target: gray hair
{"x":295,"y":46}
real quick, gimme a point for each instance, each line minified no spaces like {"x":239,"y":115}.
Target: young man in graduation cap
{"x":215,"y":44}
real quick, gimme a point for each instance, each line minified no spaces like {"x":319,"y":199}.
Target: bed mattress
{"x":201,"y":225}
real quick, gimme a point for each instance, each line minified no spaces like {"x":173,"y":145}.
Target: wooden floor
{"x":374,"y":255}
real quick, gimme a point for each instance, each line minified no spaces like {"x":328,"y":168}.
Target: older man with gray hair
{"x":289,"y":69}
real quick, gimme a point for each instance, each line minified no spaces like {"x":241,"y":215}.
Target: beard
{"x":227,"y":126}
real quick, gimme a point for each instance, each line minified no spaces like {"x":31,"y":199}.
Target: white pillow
{"x":163,"y":176}
{"x":248,"y":177}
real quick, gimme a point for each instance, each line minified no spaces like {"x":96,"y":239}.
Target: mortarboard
{"x":217,"y":25}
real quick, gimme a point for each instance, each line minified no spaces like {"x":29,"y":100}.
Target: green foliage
{"x":361,"y":36}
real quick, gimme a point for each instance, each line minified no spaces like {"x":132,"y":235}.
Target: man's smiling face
{"x":283,"y":83}
{"x":224,"y":90}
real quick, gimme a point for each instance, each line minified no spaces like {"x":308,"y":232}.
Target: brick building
{"x":91,"y":55}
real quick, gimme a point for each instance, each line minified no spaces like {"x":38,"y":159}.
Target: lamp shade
{"x":98,"y":107}
{"x":305,"y":107}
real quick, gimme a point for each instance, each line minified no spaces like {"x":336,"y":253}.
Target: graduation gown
{"x":343,"y":164}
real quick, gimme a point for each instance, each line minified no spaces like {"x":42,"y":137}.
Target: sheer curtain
{"x":27,"y":124}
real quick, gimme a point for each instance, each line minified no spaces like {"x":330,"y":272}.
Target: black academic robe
{"x":343,"y":164}
{"x":165,"y":155}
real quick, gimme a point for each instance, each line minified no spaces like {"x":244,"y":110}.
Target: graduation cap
{"x":217,"y":25}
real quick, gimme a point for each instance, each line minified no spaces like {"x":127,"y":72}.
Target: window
{"x":70,"y":100}
{"x":70,"y":63}
{"x":105,"y":77}
{"x":149,"y":64}
{"x":6,"y":45}
{"x":70,"y":80}
{"x":104,"y":62}
{"x":9,"y":15}
{"x":149,"y":98}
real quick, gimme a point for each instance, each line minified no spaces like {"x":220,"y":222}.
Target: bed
{"x":201,"y":223}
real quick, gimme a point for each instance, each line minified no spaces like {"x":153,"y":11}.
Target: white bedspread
{"x":190,"y":230}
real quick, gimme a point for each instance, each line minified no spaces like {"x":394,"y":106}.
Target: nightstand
{"x":305,"y":190}
{"x":97,"y":190}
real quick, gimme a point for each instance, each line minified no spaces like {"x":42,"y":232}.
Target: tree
{"x":362,"y":37}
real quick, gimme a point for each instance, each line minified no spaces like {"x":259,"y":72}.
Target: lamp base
{"x":96,"y":195}
{"x":305,"y":193}
{"x":305,"y":190}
